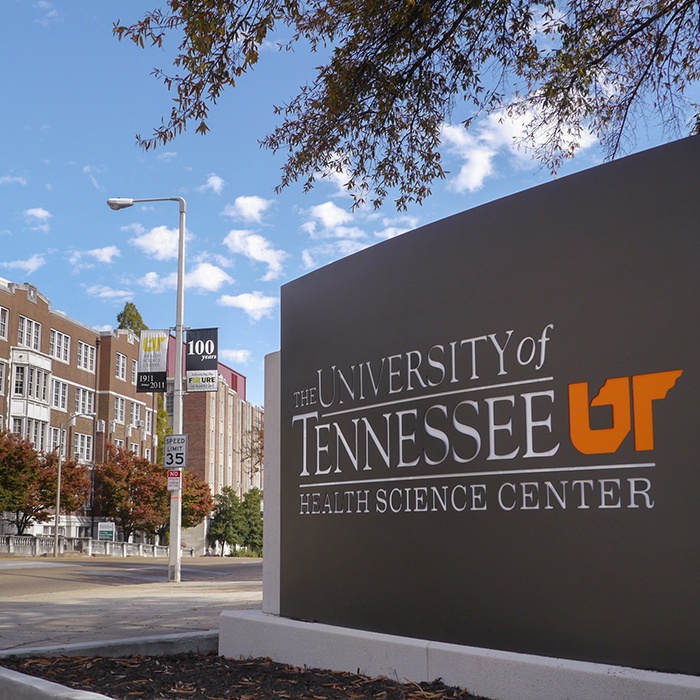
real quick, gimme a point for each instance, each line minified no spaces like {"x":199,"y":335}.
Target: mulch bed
{"x":211,"y":677}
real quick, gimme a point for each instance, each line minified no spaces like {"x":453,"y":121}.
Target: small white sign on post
{"x":174,"y":479}
{"x":175,"y":451}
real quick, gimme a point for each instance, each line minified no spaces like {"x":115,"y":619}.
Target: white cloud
{"x":330,"y":215}
{"x":498,"y":134}
{"x":207,"y":277}
{"x":213,"y":184}
{"x":477,"y":156}
{"x":104,"y":293}
{"x":37,"y":219}
{"x":330,"y":250}
{"x":204,"y":277}
{"x":13,"y":180}
{"x":257,"y":248}
{"x":307,"y":260}
{"x":255,"y":304}
{"x":159,"y":243}
{"x":339,"y":177}
{"x":327,"y":223}
{"x":50,"y":13}
{"x":156,"y":284}
{"x":104,"y":255}
{"x":248,"y":208}
{"x":27,"y":266}
{"x":237,"y":357}
{"x":396,"y":226}
{"x":91,"y":171}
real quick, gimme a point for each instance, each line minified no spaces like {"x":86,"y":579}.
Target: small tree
{"x":39,"y":499}
{"x":253,"y":447}
{"x":253,"y":518}
{"x":130,"y":318}
{"x":132,"y":491}
{"x":163,"y":428}
{"x":197,"y":501}
{"x":228,"y":524}
{"x":197,"y":504}
{"x":18,"y":464}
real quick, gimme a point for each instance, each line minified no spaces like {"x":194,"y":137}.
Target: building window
{"x":55,"y":438}
{"x":147,"y":454}
{"x":59,"y":346}
{"x":82,"y":447}
{"x":134,"y":371}
{"x":86,"y":356}
{"x":4,"y":317}
{"x":17,"y":426}
{"x":19,"y":381}
{"x":119,"y":409}
{"x":3,"y":374}
{"x":29,"y":333}
{"x":84,"y":401}
{"x":119,"y":444}
{"x":149,"y":420}
{"x":135,"y":414}
{"x":36,"y":432}
{"x":120,"y":369}
{"x":136,"y":448}
{"x":37,"y":384}
{"x":59,"y":394}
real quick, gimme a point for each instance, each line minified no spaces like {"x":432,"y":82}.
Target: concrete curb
{"x":20,"y":686}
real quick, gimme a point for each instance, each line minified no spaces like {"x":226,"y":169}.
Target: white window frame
{"x":4,"y":322}
{"x":3,"y":377}
{"x":86,"y":356}
{"x":120,"y":367}
{"x":84,"y":400}
{"x":135,"y":413}
{"x":82,"y":446}
{"x":134,"y":371}
{"x":119,"y":409}
{"x":59,"y":395}
{"x":19,"y":380}
{"x":59,"y":345}
{"x":55,"y":441}
{"x":29,"y":333}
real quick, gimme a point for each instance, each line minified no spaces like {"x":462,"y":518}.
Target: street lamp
{"x":61,"y":445}
{"x":118,"y":203}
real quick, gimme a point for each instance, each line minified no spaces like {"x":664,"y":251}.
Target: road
{"x":62,"y":601}
{"x":45,"y":576}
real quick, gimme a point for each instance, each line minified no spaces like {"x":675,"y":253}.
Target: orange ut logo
{"x":646,"y":388}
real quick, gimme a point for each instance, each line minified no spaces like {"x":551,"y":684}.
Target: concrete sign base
{"x":491,"y":674}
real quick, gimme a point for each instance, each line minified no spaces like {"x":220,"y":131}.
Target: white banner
{"x":153,"y":361}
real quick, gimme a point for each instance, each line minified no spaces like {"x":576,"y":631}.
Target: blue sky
{"x":73,"y":99}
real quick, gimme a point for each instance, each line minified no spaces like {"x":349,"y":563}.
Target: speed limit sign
{"x":175,"y":451}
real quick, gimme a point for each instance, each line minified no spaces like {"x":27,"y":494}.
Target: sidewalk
{"x":99,"y":615}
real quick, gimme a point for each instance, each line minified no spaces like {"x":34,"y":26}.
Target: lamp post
{"x":61,"y":444}
{"x":118,"y":203}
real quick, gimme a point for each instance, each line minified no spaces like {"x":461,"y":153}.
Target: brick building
{"x":63,"y":383}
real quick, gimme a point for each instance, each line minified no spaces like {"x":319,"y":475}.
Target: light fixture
{"x":118,"y":203}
